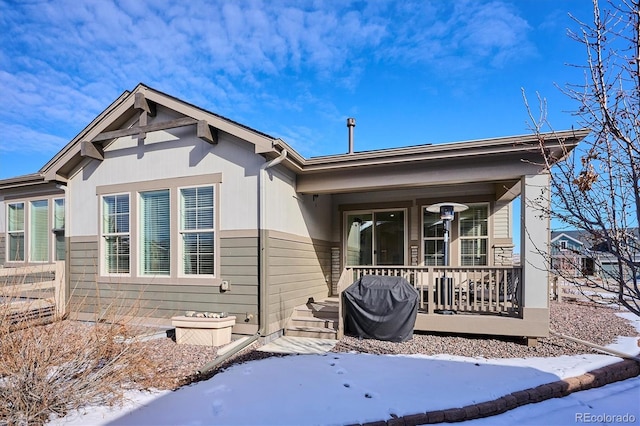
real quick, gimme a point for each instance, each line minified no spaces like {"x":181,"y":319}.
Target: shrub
{"x":65,"y":365}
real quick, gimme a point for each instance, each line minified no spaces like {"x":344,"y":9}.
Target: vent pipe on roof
{"x":351,"y":123}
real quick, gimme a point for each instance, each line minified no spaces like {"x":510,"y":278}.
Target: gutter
{"x":262,"y":273}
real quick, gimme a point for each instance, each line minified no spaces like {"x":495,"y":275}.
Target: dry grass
{"x":58,"y":367}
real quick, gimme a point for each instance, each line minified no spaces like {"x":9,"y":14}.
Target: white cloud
{"x":18,"y":138}
{"x":63,"y":62}
{"x":461,"y":35}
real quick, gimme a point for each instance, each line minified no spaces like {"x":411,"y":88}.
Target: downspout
{"x":67,"y":246}
{"x":596,"y":347}
{"x":262,"y":272}
{"x":262,"y":242}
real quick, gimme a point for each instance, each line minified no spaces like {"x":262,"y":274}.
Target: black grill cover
{"x":381,"y":307}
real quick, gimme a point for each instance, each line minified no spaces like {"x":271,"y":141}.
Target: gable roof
{"x":126,"y":111}
{"x":126,"y":116}
{"x":566,"y":234}
{"x":590,"y":241}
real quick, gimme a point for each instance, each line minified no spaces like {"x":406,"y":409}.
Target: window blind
{"x":155,"y":232}
{"x":474,"y":236}
{"x":39,"y":231}
{"x":58,"y":225}
{"x":197,"y":230}
{"x":433,"y":231}
{"x":115,"y":230}
{"x":16,"y":232}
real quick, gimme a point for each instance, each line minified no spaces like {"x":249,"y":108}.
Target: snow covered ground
{"x":341,"y":388}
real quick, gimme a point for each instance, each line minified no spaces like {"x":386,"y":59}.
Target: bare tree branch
{"x":597,"y":189}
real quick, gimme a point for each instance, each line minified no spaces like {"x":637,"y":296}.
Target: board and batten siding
{"x":297,"y":268}
{"x":238,"y":265}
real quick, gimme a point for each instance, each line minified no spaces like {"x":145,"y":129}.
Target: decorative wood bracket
{"x":91,"y":150}
{"x":140,"y":102}
{"x":507,"y":191}
{"x":206,"y":132}
{"x":153,"y":127}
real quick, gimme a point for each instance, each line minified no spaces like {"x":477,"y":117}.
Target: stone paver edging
{"x":593,"y":379}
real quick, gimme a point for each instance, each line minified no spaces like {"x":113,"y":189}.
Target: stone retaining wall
{"x":594,"y":379}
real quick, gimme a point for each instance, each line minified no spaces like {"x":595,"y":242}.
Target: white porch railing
{"x":474,"y":290}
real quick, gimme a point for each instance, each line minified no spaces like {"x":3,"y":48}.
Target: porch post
{"x":534,"y":250}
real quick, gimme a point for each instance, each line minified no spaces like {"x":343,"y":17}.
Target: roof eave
{"x":22,"y":181}
{"x":564,"y":142}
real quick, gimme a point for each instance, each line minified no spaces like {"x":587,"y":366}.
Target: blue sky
{"x":409,"y":72}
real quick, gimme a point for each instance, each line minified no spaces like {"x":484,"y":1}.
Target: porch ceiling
{"x":501,"y":175}
{"x":463,"y":193}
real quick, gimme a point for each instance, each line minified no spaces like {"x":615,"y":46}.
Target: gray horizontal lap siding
{"x":238,"y":264}
{"x":296,"y":271}
{"x":2,"y":248}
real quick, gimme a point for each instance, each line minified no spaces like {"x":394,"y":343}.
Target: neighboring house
{"x":579,"y":254}
{"x":169,"y":207}
{"x":570,"y":257}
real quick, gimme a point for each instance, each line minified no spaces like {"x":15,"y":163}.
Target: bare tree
{"x":596,"y":190}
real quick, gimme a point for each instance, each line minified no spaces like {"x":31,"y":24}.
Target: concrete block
{"x":203,"y":331}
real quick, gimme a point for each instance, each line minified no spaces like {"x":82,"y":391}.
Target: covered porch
{"x":481,"y":288}
{"x":462,"y":300}
{"x":381,"y":226}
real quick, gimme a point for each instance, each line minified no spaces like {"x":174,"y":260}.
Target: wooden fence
{"x":33,"y":293}
{"x":583,"y":290}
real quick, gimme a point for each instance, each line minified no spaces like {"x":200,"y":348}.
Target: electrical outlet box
{"x":224,"y":286}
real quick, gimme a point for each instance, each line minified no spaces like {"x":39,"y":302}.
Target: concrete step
{"x":299,"y":345}
{"x":306,"y":321}
{"x":316,"y":332}
{"x":317,"y":310}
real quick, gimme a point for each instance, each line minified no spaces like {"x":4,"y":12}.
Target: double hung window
{"x":58,"y":228}
{"x":160,"y":232}
{"x":29,"y":233}
{"x":39,"y":231}
{"x":474,"y":235}
{"x":197,"y":230}
{"x":115,"y":233}
{"x":155,"y":229}
{"x":16,"y":252}
{"x":433,"y":239}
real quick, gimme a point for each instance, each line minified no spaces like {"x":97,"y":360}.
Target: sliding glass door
{"x":375,"y":238}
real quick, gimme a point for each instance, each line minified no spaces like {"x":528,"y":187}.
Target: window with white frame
{"x":155,"y":232}
{"x":58,"y":228}
{"x":197,"y":230}
{"x":29,"y":234}
{"x":39,"y":231}
{"x":474,"y":235}
{"x":433,"y":239}
{"x":15,"y":231}
{"x":115,"y":234}
{"x":168,"y":234}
